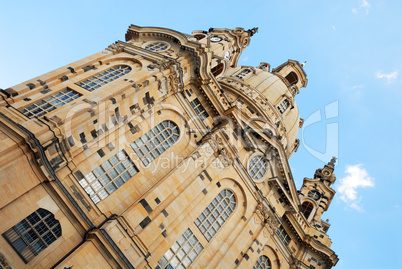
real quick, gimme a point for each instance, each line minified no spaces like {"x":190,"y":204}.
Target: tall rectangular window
{"x":199,"y":109}
{"x":51,"y":103}
{"x":283,"y":106}
{"x":108,"y":177}
{"x":183,"y":252}
{"x":283,"y":235}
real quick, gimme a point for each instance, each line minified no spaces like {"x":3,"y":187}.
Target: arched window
{"x":199,"y":36}
{"x":108,"y":177}
{"x":218,"y":69}
{"x":306,"y":209}
{"x":243,"y":73}
{"x":283,"y":105}
{"x":217,"y":212}
{"x":104,"y":77}
{"x":33,"y":234}
{"x":262,"y":263}
{"x":257,"y":167}
{"x":157,"y":46}
{"x":314,"y":194}
{"x":156,"y":141}
{"x":292,"y":78}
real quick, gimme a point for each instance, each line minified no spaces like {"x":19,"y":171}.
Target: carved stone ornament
{"x":115,"y":48}
{"x":163,"y":86}
{"x":158,"y":64}
{"x":269,"y":222}
{"x":225,"y":157}
{"x":216,"y":144}
{"x":262,"y":212}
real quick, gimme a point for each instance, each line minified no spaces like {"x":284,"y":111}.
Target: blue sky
{"x":354,"y":70}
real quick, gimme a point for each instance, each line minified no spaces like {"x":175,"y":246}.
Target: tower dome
{"x":271,"y":93}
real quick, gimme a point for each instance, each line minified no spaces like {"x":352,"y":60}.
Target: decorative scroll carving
{"x":225,"y":157}
{"x":163,"y":86}
{"x":217,"y":145}
{"x":268,"y":220}
{"x":115,"y":48}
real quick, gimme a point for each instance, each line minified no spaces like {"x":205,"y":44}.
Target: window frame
{"x":92,"y":182}
{"x":50,"y":103}
{"x":304,"y":209}
{"x":258,"y":266}
{"x":283,"y":105}
{"x":267,"y":166}
{"x":144,"y":146}
{"x":212,"y":212}
{"x":101,"y":76}
{"x":184,"y":244}
{"x":199,"y":109}
{"x":31,"y":230}
{"x":243,"y":73}
{"x":283,"y":235}
{"x":146,"y":46}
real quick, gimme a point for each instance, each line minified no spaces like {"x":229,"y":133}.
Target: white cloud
{"x":390,"y":77}
{"x":357,"y":177}
{"x":358,"y":86}
{"x":333,"y":27}
{"x":364,"y":5}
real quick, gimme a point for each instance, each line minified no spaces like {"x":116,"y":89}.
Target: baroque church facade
{"x":160,"y":152}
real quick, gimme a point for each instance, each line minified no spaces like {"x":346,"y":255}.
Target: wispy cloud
{"x":363,"y":6}
{"x":357,"y":177}
{"x":390,"y":77}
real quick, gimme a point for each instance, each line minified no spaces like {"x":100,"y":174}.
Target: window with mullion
{"x":33,"y":234}
{"x":262,"y":263}
{"x":257,"y":167}
{"x":156,"y":141}
{"x":199,"y":109}
{"x":182,"y":253}
{"x":157,"y":46}
{"x":283,"y":106}
{"x":306,"y":209}
{"x":104,"y":77}
{"x":243,"y":73}
{"x":283,"y":235}
{"x":108,"y":177}
{"x":51,"y":103}
{"x":216,"y":213}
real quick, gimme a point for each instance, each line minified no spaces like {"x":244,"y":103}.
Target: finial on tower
{"x":303,"y":64}
{"x":332,"y":162}
{"x":253,"y":31}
